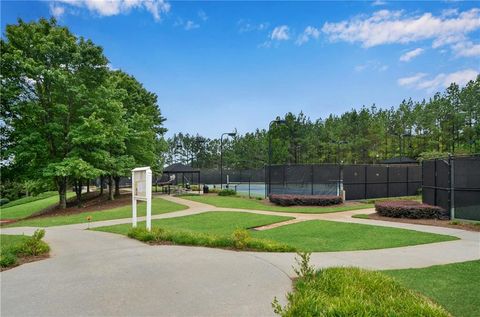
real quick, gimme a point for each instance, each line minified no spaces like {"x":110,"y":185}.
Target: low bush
{"x":352,"y":292}
{"x":305,"y":200}
{"x":33,"y":245}
{"x":4,"y":201}
{"x":227,"y":192}
{"x":409,"y":209}
{"x":7,"y":259}
{"x":239,"y":240}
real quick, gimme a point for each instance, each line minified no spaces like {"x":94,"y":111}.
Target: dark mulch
{"x":26,"y":259}
{"x":90,"y":202}
{"x":429,"y":222}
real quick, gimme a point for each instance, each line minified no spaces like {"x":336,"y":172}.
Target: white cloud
{"x":372,"y":65}
{"x":379,"y":3}
{"x":202,"y":15}
{"x":280,"y":33}
{"x":407,"y":81}
{"x":309,"y":33}
{"x":190,"y":25}
{"x":387,"y":27}
{"x":466,"y":49}
{"x":115,"y":7}
{"x":56,"y":10}
{"x":440,"y":81}
{"x":411,"y":54}
{"x":245,"y":26}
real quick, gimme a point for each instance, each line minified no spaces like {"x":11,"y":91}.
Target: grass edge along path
{"x":237,"y":202}
{"x":18,"y":249}
{"x":159,"y":206}
{"x":350,"y":291}
{"x":28,"y":208}
{"x":222,"y":229}
{"x":455,"y":286}
{"x":313,"y":235}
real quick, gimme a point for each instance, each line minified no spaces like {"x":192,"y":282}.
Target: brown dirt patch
{"x":26,"y":259}
{"x":428,"y":222}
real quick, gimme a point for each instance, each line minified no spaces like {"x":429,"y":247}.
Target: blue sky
{"x":216,"y":66}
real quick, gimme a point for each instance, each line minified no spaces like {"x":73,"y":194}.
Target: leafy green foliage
{"x":13,"y":247}
{"x":352,"y":292}
{"x":66,"y":116}
{"x":238,"y":241}
{"x":227,"y":192}
{"x":33,"y":245}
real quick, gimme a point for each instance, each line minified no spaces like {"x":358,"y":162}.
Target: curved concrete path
{"x":100,"y":274}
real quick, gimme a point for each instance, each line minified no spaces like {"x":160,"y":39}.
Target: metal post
{"x":221,"y":161}
{"x":452,"y":187}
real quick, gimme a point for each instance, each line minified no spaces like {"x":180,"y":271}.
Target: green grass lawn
{"x":320,"y":235}
{"x":30,"y":199}
{"x":28,"y":208}
{"x":7,"y":241}
{"x":313,"y":235}
{"x":159,"y":206}
{"x":219,"y":223}
{"x":455,"y":286}
{"x":254,"y":204}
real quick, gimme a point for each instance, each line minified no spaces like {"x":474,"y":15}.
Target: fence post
{"x":312,"y":169}
{"x":366,"y":179}
{"x":388,"y":180}
{"x":452,"y":186}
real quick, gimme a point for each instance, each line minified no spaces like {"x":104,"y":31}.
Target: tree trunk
{"x":110,"y":188}
{"x":88,"y":185}
{"x":117,"y":186}
{"x":78,"y":191}
{"x":62,"y":191}
{"x":101,"y":185}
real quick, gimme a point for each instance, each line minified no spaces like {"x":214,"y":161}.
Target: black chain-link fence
{"x":453,"y":183}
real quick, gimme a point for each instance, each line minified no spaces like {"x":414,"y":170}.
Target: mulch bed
{"x":90,"y":202}
{"x":428,"y":222}
{"x":26,"y":259}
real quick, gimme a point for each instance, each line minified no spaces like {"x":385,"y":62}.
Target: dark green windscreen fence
{"x":454,"y":184}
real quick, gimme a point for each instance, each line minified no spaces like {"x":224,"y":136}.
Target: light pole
{"x":338,"y":149}
{"x":277,"y":121}
{"x":232,"y":134}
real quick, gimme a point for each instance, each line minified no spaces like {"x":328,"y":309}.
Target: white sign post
{"x":142,"y":190}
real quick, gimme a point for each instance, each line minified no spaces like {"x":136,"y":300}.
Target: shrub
{"x":409,"y":209}
{"x":34,"y":244}
{"x":239,"y":240}
{"x":7,"y":259}
{"x":4,"y":201}
{"x":354,"y":292}
{"x":305,"y":200}
{"x":227,"y":192}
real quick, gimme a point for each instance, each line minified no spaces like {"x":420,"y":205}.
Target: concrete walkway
{"x":94,"y":273}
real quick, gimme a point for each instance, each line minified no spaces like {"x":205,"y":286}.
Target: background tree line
{"x":66,"y":117}
{"x":446,"y":123}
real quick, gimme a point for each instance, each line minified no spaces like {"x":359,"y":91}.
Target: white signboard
{"x":142,"y":190}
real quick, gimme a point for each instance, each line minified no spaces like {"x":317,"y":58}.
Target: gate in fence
{"x":453,"y":183}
